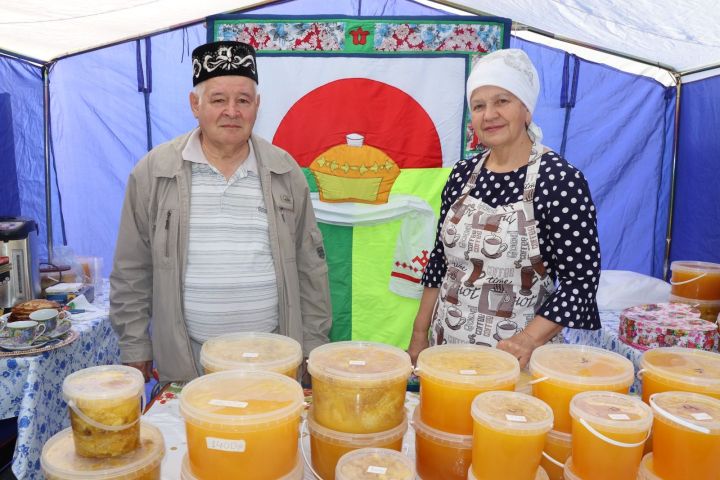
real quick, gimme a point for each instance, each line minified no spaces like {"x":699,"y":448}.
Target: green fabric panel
{"x":310,"y":179}
{"x":338,"y":250}
{"x":378,"y":314}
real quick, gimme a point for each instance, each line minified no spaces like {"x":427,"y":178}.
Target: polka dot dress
{"x":567,"y":232}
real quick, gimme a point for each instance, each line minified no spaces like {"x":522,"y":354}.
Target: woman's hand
{"x":520,"y":346}
{"x":418,"y":343}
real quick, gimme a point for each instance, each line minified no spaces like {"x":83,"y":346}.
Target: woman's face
{"x":498,"y":116}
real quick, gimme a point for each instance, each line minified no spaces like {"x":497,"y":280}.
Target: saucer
{"x":63,"y":327}
{"x":494,"y":256}
{"x":14,"y":346}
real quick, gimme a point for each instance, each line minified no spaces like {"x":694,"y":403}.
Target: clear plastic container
{"x":374,"y":464}
{"x":327,"y":446}
{"x":359,"y":387}
{"x":709,"y":309}
{"x":252,"y":351}
{"x":562,"y":371}
{"x":105,"y":407}
{"x":508,"y":435}
{"x":541,"y":474}
{"x":686,"y":435}
{"x":242,"y":421}
{"x":451,"y":376}
{"x":647,"y":469}
{"x":680,"y":369}
{"x":700,"y":280}
{"x":60,"y":461}
{"x":439,"y":454}
{"x":569,"y":471}
{"x":609,"y":433}
{"x":297,"y":473}
{"x":558,"y":446}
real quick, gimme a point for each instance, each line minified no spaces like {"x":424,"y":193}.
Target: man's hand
{"x":418,"y":343}
{"x":145,"y":368}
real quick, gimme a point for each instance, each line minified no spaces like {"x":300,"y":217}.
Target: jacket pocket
{"x":165,"y":238}
{"x":285,"y":208}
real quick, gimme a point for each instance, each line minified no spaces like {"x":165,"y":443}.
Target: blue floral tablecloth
{"x":31,"y":387}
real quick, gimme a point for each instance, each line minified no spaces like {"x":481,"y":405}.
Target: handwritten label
{"x":227,"y":403}
{"x":701,"y":416}
{"x":225,"y":445}
{"x":468,"y":372}
{"x":516,"y":418}
{"x":378,"y":470}
{"x":250,"y":355}
{"x":618,"y":416}
{"x":357,"y":363}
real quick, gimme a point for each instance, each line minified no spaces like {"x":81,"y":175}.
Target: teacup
{"x":46,"y":316}
{"x":25,"y":331}
{"x":506,"y":329}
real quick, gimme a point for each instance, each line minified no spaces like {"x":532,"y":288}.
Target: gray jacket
{"x":146,"y":284}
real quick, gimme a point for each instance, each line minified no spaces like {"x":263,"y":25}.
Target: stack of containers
{"x":106,"y":440}
{"x":358,"y":400}
{"x":252,"y":351}
{"x":698,"y":284}
{"x":451,"y":376}
{"x":562,"y":371}
{"x":242,"y":421}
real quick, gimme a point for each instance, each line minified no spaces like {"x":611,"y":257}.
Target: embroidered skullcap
{"x":510,"y":69}
{"x":223,"y":58}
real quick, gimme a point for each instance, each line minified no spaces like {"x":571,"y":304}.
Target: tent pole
{"x":676,"y":132}
{"x":48,"y":179}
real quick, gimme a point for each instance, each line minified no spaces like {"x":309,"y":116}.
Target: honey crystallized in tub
{"x":105,"y":408}
{"x":374,"y":464}
{"x":680,"y":369}
{"x":252,"y":351}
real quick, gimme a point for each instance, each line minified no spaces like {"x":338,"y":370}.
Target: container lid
{"x":693,"y":303}
{"x":472,"y":365}
{"x":694,"y":266}
{"x":356,"y":440}
{"x":104,"y":382}
{"x":251,"y":351}
{"x":237,"y":397}
{"x":374,"y":463}
{"x":569,"y":470}
{"x":439,"y":437}
{"x":611,"y":409}
{"x":685,"y":365}
{"x":60,"y":461}
{"x":688,"y":410}
{"x":512,"y":411}
{"x":647,"y":470}
{"x":359,"y":361}
{"x":297,"y":472}
{"x":540,"y":475}
{"x":558,"y":437}
{"x":580,"y":364}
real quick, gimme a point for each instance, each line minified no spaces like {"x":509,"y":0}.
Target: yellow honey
{"x":558,"y":446}
{"x":680,"y":369}
{"x":440,"y":455}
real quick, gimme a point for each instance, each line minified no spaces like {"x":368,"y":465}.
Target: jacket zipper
{"x":167,"y":233}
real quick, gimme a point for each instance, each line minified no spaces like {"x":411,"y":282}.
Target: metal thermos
{"x":18,"y":242}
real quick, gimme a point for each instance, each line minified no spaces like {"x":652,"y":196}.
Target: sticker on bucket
{"x":225,"y":445}
{"x":701,"y":416}
{"x":516,"y":418}
{"x":357,"y":363}
{"x":618,"y":416}
{"x":378,"y":470}
{"x":227,"y":403}
{"x":468,"y":372}
{"x":250,"y":355}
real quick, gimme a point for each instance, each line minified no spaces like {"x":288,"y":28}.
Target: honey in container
{"x":242,"y":422}
{"x":374,"y":464}
{"x":440,"y":455}
{"x":297,"y":473}
{"x":104,"y":406}
{"x":540,"y":474}
{"x":251,"y":351}
{"x":680,"y":369}
{"x":558,"y":446}
{"x":698,"y":280}
{"x":359,"y":387}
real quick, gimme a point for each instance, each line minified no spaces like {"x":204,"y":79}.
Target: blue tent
{"x":75,"y":118}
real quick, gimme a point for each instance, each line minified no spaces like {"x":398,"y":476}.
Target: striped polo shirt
{"x":230,"y":281}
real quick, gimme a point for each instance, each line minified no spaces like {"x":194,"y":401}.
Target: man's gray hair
{"x":199,"y":89}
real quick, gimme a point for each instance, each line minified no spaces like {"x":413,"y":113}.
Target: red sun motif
{"x":387,"y":117}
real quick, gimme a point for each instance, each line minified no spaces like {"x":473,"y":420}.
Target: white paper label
{"x":516,"y":418}
{"x":360,"y":363}
{"x":225,"y":445}
{"x":468,"y":372}
{"x":227,"y":403}
{"x":378,"y":470}
{"x":250,"y":355}
{"x":701,"y":416}
{"x":618,"y":416}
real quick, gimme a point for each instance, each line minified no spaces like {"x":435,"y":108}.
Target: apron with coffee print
{"x":495,"y":280}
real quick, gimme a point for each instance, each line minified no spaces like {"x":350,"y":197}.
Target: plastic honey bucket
{"x":609,"y":434}
{"x":686,"y":435}
{"x":374,"y":463}
{"x":647,"y":469}
{"x":105,"y":407}
{"x":541,"y":474}
{"x":508,"y":434}
{"x":558,"y":448}
{"x":699,"y":280}
{"x":451,"y":376}
{"x":569,"y":471}
{"x":562,"y":371}
{"x":359,"y":387}
{"x":709,"y":309}
{"x":60,"y":461}
{"x":440,"y":455}
{"x":242,"y":421}
{"x":680,"y":369}
{"x":297,"y":473}
{"x":252,"y":351}
{"x":327,"y":446}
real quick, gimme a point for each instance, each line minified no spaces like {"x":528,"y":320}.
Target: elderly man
{"x":217,"y":233}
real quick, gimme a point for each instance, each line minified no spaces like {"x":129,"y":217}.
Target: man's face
{"x":226,"y":109}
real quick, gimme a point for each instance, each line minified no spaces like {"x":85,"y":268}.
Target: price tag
{"x":225,"y":445}
{"x":701,"y":416}
{"x":468,"y":372}
{"x":618,"y":416}
{"x":250,"y":355}
{"x":516,"y":418}
{"x":227,"y":403}
{"x":357,"y":363}
{"x":378,"y":470}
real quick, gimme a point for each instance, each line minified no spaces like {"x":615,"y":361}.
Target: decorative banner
{"x":373,"y":109}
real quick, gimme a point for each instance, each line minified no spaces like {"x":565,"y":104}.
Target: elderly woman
{"x":516,"y":257}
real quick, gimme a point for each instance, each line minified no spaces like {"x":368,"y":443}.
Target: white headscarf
{"x":512,"y":70}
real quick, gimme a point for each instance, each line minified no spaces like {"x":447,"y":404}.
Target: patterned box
{"x":667,"y":325}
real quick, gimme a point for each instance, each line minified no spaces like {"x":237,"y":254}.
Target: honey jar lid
{"x":237,"y":397}
{"x":684,"y":365}
{"x":512,"y":411}
{"x":374,"y":463}
{"x":580,"y":364}
{"x":368,"y":363}
{"x":103,"y":383}
{"x":695,"y":266}
{"x":688,"y":411}
{"x":59,"y":460}
{"x":612,"y":410}
{"x":251,"y":351}
{"x":471,"y":365}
